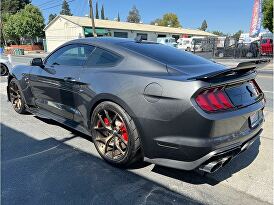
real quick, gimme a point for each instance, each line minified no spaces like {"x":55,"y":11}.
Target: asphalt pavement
{"x":44,"y":162}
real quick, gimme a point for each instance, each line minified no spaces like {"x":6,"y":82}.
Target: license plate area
{"x":255,"y":119}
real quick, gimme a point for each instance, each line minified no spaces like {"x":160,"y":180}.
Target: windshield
{"x":165,"y":54}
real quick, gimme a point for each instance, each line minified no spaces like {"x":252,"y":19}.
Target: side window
{"x":71,"y":55}
{"x":101,"y":57}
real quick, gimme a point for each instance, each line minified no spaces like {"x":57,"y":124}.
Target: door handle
{"x":69,"y":79}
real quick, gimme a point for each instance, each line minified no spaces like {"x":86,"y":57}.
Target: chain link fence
{"x":228,"y":47}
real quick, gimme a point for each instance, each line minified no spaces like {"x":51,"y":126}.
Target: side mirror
{"x":37,"y":62}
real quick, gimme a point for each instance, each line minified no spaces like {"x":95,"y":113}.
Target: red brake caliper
{"x":122,"y":128}
{"x":124,"y":132}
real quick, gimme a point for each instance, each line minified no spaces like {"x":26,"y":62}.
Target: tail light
{"x":214,"y":99}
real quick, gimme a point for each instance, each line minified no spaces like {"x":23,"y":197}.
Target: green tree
{"x":134,"y":16}
{"x":51,"y":17}
{"x":203,"y":26}
{"x":156,"y":22}
{"x":268,"y":14}
{"x":27,"y":23}
{"x":118,"y":18}
{"x":96,"y":11}
{"x":218,"y":33}
{"x":237,"y":35}
{"x":103,"y":12}
{"x":9,"y":28}
{"x":65,"y":9}
{"x":171,"y":20}
{"x":12,"y":6}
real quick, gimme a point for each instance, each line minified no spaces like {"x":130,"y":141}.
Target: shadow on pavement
{"x":193,"y":177}
{"x":237,"y":164}
{"x":51,"y":172}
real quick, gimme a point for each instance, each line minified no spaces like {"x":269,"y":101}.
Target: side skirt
{"x":67,"y":122}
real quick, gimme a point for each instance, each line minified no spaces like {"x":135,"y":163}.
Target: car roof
{"x":101,"y":40}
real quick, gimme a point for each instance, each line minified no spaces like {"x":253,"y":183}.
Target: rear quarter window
{"x":103,"y":58}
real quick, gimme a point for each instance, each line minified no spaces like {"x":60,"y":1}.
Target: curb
{"x":264,"y":71}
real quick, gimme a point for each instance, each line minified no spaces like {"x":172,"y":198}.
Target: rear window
{"x":165,"y":54}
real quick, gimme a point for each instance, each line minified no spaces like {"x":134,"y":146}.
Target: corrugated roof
{"x":99,"y":23}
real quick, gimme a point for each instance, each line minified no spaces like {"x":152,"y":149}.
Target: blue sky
{"x":226,"y":16}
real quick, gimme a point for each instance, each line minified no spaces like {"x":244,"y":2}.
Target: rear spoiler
{"x":242,"y":67}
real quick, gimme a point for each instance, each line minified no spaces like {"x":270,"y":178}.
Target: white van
{"x":169,"y":41}
{"x":184,"y":44}
{"x":187,"y":44}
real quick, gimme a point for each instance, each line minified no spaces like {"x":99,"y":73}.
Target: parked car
{"x":168,"y":41}
{"x":245,"y":50}
{"x":266,"y":46}
{"x":139,"y":99}
{"x":5,"y":64}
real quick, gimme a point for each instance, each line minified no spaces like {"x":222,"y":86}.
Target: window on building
{"x":176,"y":37}
{"x":161,"y":36}
{"x":72,"y":55}
{"x":144,"y":35}
{"x":101,"y":57}
{"x":121,"y":34}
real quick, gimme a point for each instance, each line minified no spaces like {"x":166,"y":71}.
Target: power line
{"x":56,"y":5}
{"x":45,"y":3}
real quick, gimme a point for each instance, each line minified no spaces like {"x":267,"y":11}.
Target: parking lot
{"x":44,"y":162}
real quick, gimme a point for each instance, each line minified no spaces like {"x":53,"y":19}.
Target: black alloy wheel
{"x":114,"y":134}
{"x":16,"y":99}
{"x":4,"y":70}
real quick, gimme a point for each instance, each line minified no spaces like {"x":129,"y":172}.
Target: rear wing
{"x":242,"y":67}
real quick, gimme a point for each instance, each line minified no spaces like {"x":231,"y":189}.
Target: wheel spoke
{"x":119,"y":148}
{"x":107,"y":115}
{"x":101,"y":128}
{"x":105,"y":140}
{"x":101,"y":120}
{"x":114,"y":118}
{"x":108,"y":140}
{"x":113,"y":149}
{"x":121,"y":137}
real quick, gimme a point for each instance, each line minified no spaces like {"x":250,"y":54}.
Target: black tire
{"x":4,"y":70}
{"x":131,"y":152}
{"x":16,"y":97}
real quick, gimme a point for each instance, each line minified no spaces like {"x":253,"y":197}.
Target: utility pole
{"x":92,"y":18}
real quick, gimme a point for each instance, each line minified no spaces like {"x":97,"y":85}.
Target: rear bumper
{"x":230,"y":146}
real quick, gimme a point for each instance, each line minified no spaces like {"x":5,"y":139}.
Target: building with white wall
{"x":65,"y":28}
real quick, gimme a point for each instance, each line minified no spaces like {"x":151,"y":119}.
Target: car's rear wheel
{"x":4,"y":70}
{"x":16,"y":98}
{"x":221,"y":55}
{"x":114,"y":134}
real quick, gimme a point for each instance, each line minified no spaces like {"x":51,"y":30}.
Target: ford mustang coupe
{"x":143,"y":100}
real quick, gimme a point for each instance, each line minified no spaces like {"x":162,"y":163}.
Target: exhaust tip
{"x":216,"y":167}
{"x":227,"y":160}
{"x":212,"y":166}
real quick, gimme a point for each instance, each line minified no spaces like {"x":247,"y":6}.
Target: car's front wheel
{"x":16,"y":98}
{"x":4,"y":70}
{"x":114,"y":134}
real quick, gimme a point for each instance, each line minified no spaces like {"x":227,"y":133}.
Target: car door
{"x":55,"y":85}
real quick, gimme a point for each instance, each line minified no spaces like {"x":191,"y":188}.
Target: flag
{"x":256,"y":21}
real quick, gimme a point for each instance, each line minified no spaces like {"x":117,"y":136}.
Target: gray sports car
{"x":144,"y":100}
